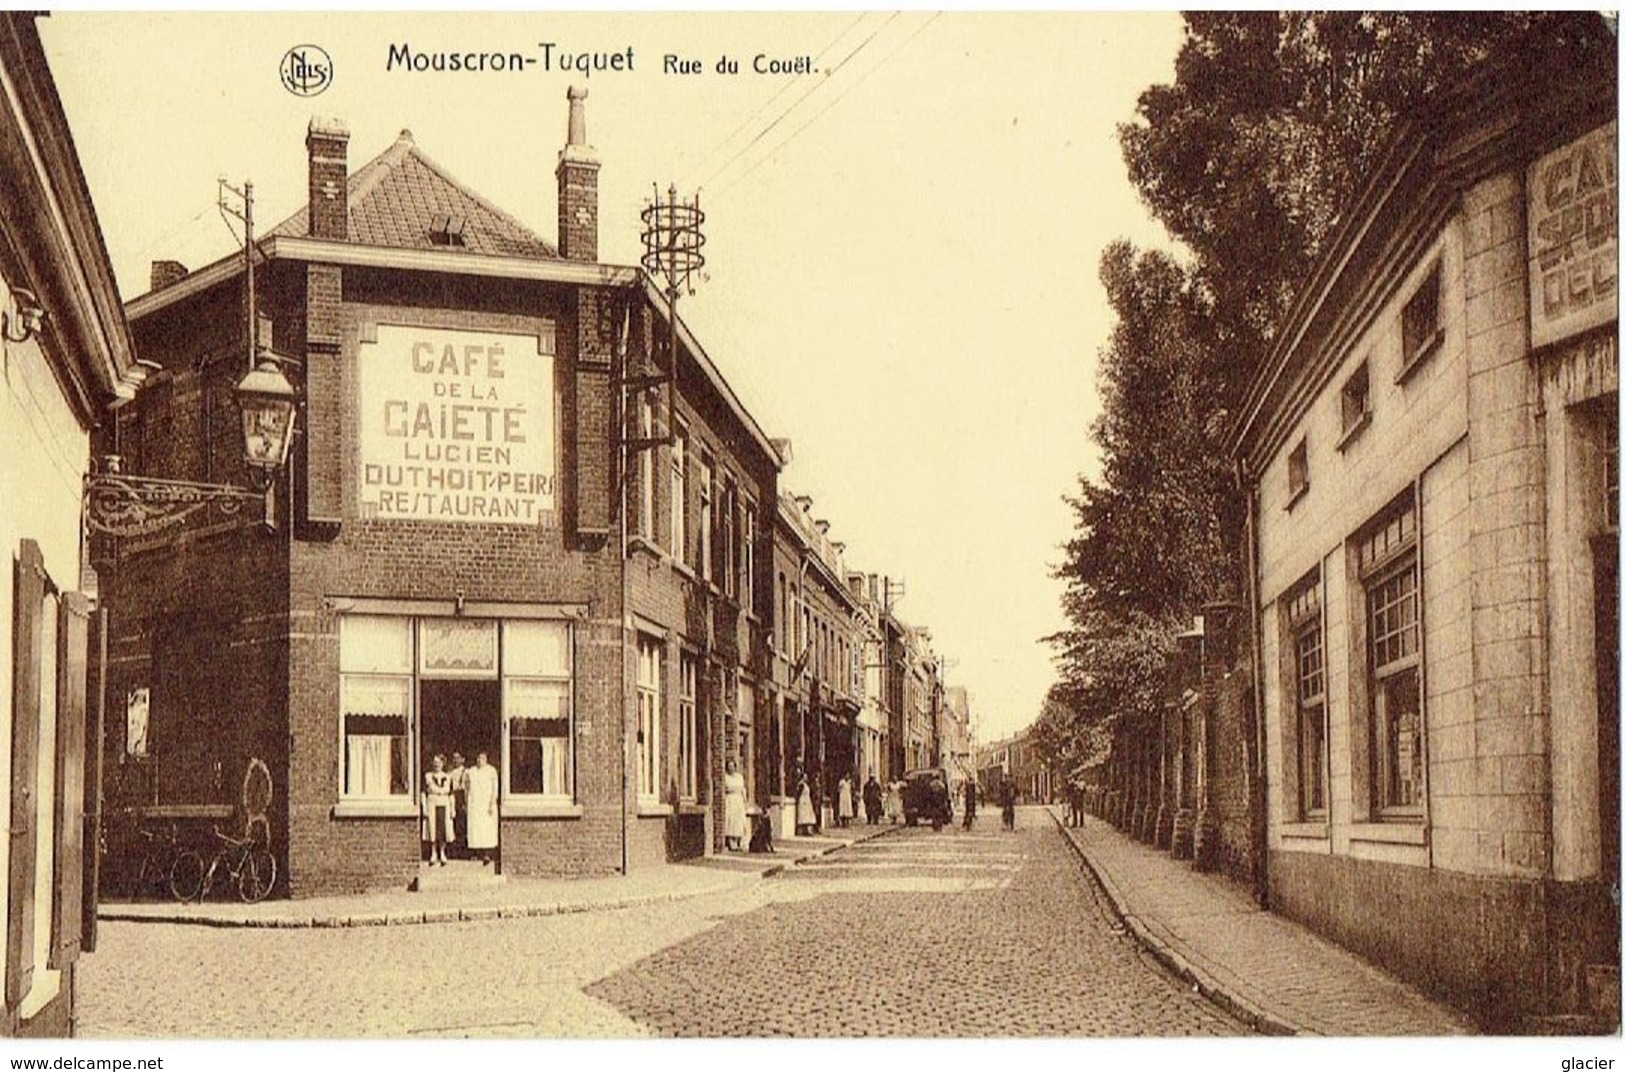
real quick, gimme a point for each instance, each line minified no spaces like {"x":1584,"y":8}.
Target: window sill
{"x":688,"y":807}
{"x":651,"y":809}
{"x":1423,"y":352}
{"x":682,"y":568}
{"x":1292,"y":499}
{"x":644,"y":545}
{"x":1313,"y":829}
{"x":541,"y":809}
{"x":1398,"y":832}
{"x":402,"y":808}
{"x":1353,"y":431}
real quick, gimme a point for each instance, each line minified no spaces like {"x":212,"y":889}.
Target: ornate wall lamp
{"x":119,"y":504}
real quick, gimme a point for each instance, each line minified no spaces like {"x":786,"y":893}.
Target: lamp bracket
{"x":123,"y":506}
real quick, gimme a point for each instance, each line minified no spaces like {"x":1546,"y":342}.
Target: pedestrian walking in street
{"x":482,"y":809}
{"x":843,"y":802}
{"x":457,"y":841}
{"x":894,"y":802}
{"x":1007,"y":803}
{"x":1074,"y":803}
{"x":872,"y":801}
{"x":970,"y":802}
{"x":805,"y":817}
{"x":437,"y":809}
{"x":733,"y":807}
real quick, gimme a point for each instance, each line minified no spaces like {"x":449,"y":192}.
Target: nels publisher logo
{"x":306,"y":70}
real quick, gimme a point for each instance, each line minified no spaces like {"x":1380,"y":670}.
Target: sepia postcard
{"x":912,"y":525}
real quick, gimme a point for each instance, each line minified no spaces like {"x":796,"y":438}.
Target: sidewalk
{"x":511,"y":899}
{"x":1273,"y":973}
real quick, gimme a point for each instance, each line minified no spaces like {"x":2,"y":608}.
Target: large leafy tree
{"x":1247,"y":157}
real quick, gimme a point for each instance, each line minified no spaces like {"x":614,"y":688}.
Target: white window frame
{"x":688,"y":724}
{"x":646,"y":469}
{"x":707,"y":527}
{"x":679,"y":495}
{"x":408,"y":677}
{"x":651,"y":663}
{"x":567,"y":679}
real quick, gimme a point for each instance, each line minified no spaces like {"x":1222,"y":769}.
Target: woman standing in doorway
{"x":733,"y":811}
{"x":437,"y":809}
{"x":482,"y":809}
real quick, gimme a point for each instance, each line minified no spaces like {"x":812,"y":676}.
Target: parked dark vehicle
{"x":925,"y":796}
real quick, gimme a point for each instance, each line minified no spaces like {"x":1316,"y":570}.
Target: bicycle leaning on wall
{"x":245,"y":861}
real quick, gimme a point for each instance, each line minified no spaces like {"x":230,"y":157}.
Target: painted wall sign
{"x":456,"y":426}
{"x":1574,"y":238}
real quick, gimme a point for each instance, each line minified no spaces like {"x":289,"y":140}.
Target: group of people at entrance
{"x":460,"y":809}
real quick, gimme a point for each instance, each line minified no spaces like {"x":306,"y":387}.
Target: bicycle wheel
{"x":258,"y":875}
{"x":186,"y":876}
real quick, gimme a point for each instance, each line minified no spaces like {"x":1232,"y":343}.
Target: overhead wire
{"x":854,"y":84}
{"x":765,"y":131}
{"x":783,"y":88}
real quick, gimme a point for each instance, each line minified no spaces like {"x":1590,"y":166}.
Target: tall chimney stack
{"x":578,"y":187}
{"x":328,"y":143}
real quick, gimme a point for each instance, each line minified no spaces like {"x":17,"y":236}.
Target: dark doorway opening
{"x":463,"y":716}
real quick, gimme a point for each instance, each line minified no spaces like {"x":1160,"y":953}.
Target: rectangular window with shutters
{"x":45,"y":883}
{"x":29,"y":590}
{"x":538,"y":689}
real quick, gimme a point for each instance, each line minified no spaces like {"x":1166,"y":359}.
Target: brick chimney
{"x":578,"y":187}
{"x":328,"y":143}
{"x":165,"y":273}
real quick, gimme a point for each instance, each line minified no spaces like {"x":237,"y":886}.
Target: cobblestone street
{"x":957,"y":933}
{"x":913,"y":934}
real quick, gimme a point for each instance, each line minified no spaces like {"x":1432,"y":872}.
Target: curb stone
{"x":1170,"y":958}
{"x":478,"y":913}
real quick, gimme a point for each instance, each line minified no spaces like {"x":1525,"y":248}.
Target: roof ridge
{"x":463,"y":188}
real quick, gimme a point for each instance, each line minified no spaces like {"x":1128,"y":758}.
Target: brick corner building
{"x":525,"y":516}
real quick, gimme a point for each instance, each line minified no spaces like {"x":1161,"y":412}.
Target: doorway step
{"x":457,"y":875}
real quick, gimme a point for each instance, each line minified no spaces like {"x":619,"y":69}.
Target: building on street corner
{"x":526,"y":517}
{"x":68,"y":360}
{"x":1431,"y":454}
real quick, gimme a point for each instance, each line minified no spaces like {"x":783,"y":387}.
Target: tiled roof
{"x":395,"y":200}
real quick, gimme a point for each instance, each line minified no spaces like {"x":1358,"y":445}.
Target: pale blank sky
{"x":902,"y":272}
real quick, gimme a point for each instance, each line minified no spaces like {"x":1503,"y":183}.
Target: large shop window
{"x":375,"y":697}
{"x":1388,"y":571}
{"x":649,"y":669}
{"x":536,"y":708}
{"x":433,"y":684}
